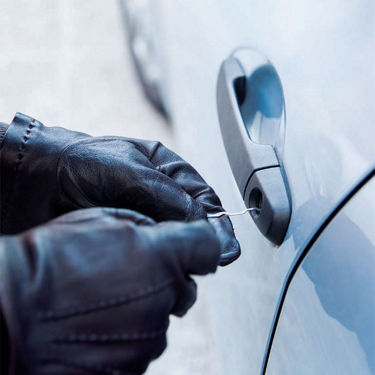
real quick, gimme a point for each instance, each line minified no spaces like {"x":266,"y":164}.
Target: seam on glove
{"x":154,"y":150}
{"x":18,"y":162}
{"x":108,"y":338}
{"x":91,"y":369}
{"x":142,"y":149}
{"x":104,"y":304}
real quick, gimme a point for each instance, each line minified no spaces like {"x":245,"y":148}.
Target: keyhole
{"x":256,"y":200}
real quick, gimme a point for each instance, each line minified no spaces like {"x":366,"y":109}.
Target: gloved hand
{"x":91,"y":291}
{"x":50,"y":171}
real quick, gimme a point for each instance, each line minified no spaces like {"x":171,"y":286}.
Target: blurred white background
{"x":66,"y":63}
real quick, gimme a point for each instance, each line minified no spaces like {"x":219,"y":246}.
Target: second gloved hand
{"x":49,"y":171}
{"x":91,"y":292}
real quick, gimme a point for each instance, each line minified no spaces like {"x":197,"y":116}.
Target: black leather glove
{"x":49,"y":171}
{"x":3,"y":130}
{"x":91,"y":291}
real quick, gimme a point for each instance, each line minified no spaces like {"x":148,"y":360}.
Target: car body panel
{"x":327,"y":321}
{"x":323,"y":53}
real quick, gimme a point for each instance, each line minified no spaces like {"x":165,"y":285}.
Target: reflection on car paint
{"x":329,"y":310}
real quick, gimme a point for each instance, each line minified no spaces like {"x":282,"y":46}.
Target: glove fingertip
{"x":230,"y":247}
{"x":229,"y":256}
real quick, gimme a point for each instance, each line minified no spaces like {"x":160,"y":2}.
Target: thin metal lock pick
{"x":226,"y":213}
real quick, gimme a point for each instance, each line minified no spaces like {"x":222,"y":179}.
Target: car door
{"x":325,"y":321}
{"x":322,"y":53}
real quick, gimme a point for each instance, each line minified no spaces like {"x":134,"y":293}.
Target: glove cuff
{"x":28,"y":188}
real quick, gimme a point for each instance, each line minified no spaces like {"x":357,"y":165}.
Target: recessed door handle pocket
{"x":250,"y":105}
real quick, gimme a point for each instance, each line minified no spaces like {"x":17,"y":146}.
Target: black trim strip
{"x":297,"y":264}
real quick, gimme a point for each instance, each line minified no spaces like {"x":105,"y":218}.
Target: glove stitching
{"x":104,"y":304}
{"x":108,"y":338}
{"x":18,"y":162}
{"x":86,"y":367}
